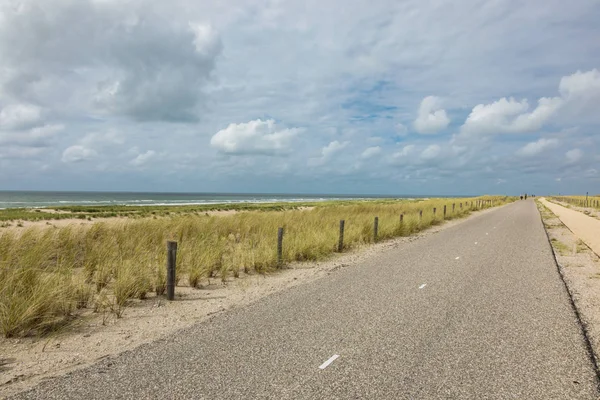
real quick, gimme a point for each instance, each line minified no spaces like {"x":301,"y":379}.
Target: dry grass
{"x":47,"y":273}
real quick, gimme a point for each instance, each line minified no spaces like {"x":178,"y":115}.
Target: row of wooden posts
{"x":172,"y":246}
{"x":587,"y":202}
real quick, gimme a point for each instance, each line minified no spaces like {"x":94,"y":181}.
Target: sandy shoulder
{"x":584,"y":227}
{"x":580,"y":268}
{"x":27,"y":361}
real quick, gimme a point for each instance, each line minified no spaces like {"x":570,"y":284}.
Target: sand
{"x":60,"y":223}
{"x":25,"y":362}
{"x":584,"y":227}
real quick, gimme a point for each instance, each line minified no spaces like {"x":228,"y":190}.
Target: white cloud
{"x":333,"y":148}
{"x":580,"y":85}
{"x":431,"y":152}
{"x":206,"y":40}
{"x":143,"y":158}
{"x":328,"y":152}
{"x":77,"y":153}
{"x":401,"y":130}
{"x":406,"y":151}
{"x":254,"y":137}
{"x":370,"y":152}
{"x":509,"y":116}
{"x":579,"y":94}
{"x":573,"y":156}
{"x":20,"y":116}
{"x":41,"y":136}
{"x":431,"y":118}
{"x":535,"y":148}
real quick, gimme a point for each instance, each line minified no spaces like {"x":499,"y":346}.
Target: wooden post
{"x":171,"y":265}
{"x":444,"y":211}
{"x":341,"y":241}
{"x":375,"y":228}
{"x":461,"y":206}
{"x":420,"y":215}
{"x":453,"y":205}
{"x":401,"y":218}
{"x":434,"y":212}
{"x":279,"y":247}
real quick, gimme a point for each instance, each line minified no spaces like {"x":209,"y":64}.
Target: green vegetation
{"x":47,"y":273}
{"x":559,"y":246}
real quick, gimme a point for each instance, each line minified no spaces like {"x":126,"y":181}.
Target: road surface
{"x":476,"y":311}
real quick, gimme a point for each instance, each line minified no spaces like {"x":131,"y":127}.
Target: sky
{"x":340,"y":96}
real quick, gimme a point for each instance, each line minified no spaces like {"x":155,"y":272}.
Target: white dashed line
{"x":422,"y":286}
{"x":457,"y":258}
{"x":326,"y":363}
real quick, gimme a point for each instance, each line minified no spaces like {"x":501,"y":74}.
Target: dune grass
{"x":592,"y":201}
{"x":47,"y":273}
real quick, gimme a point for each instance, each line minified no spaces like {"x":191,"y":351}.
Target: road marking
{"x":457,"y":258}
{"x":326,"y":363}
{"x":422,"y":286}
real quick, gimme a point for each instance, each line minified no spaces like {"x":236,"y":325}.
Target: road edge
{"x":593,"y":354}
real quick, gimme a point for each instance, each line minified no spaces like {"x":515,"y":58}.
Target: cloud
{"x":401,"y":130}
{"x":535,"y":148}
{"x":256,"y":137}
{"x":328,"y":152}
{"x":509,"y":116}
{"x":573,"y":156}
{"x":580,"y":85}
{"x":431,"y":152}
{"x":431,"y":118}
{"x":406,"y":151}
{"x":370,"y":152}
{"x":142,"y":159}
{"x":579,"y":93}
{"x":102,"y":139}
{"x":41,"y":136}
{"x":77,"y":153}
{"x":20,"y":116}
{"x":136,"y":62}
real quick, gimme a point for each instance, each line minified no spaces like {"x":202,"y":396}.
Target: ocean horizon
{"x":41,"y":199}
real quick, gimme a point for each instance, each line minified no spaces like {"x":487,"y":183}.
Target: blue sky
{"x":386,"y":97}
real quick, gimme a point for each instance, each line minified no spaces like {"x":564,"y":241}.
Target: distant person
{"x":521,"y":197}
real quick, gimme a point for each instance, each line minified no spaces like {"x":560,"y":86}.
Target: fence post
{"x":171,"y":265}
{"x":375,"y":228}
{"x":341,"y":241}
{"x":444,"y":211}
{"x":401,"y":218}
{"x":434,"y":212}
{"x":461,"y":206}
{"x":279,"y":247}
{"x":420,"y":215}
{"x":453,"y":205}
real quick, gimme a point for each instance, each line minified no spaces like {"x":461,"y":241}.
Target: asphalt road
{"x":475,"y":311}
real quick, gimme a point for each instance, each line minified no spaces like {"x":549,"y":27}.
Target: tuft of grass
{"x":559,"y":246}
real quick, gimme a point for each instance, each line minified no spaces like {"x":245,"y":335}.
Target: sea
{"x":34,"y":199}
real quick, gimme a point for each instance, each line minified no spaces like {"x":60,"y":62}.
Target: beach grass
{"x":47,"y":273}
